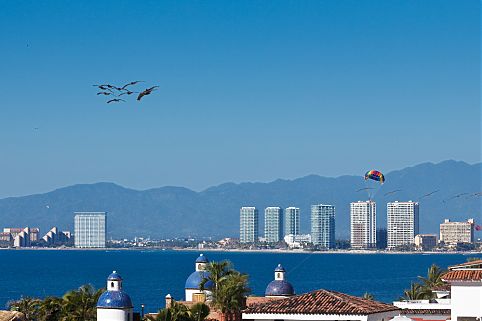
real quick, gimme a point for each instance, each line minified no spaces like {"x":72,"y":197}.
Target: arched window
{"x":279,"y":275}
{"x":111,"y":284}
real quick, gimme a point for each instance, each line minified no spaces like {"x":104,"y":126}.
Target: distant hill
{"x":177,"y":211}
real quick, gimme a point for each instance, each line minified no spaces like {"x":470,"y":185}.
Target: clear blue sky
{"x":249,"y":90}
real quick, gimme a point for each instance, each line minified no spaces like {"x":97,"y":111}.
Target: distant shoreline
{"x":297,"y":251}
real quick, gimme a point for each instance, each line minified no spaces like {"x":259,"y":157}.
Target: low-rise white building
{"x":466,"y":291}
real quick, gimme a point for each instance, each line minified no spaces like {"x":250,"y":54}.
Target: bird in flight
{"x":105,"y":93}
{"x":146,"y":92}
{"x":427,"y":195}
{"x":391,"y":192}
{"x":115,"y":100}
{"x":128,"y":92}
{"x":364,"y":189}
{"x":131,"y":84}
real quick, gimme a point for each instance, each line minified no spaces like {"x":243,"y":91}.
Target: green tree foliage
{"x":424,"y":290}
{"x":76,"y":305}
{"x":230,"y":288}
{"x":180,"y":312}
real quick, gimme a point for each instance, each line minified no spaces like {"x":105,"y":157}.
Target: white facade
{"x":114,"y":314}
{"x":248,"y":225}
{"x":323,"y":225}
{"x":273,"y":224}
{"x":457,"y":232}
{"x":90,"y":229}
{"x":363,"y":224}
{"x":384,"y":316}
{"x":292,"y":221}
{"x":466,"y":301}
{"x":295,"y":241}
{"x":402,"y":223}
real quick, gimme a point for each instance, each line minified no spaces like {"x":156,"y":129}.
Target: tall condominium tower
{"x":292,"y":221}
{"x":323,"y":225}
{"x":248,"y":225}
{"x":363,"y":217}
{"x":90,"y":229}
{"x":402,"y":223}
{"x":273,"y":224}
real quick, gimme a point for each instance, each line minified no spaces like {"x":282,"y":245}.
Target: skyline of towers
{"x":273,"y":224}
{"x":402,"y":223}
{"x":90,"y":229}
{"x":292,"y":221}
{"x":363,"y":224}
{"x":248,"y":224}
{"x":323,"y":225}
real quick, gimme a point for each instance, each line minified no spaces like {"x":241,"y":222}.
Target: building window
{"x":111,"y":284}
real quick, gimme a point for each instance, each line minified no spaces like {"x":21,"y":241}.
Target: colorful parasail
{"x":375,"y":175}
{"x":478,"y":228}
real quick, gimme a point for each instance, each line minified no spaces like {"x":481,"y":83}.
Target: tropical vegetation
{"x":423,"y":290}
{"x":230,"y":289}
{"x":75,"y":305}
{"x":180,"y":312}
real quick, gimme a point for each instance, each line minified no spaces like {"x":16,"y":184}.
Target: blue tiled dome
{"x":279,"y":288}
{"x":114,"y":276}
{"x":194,"y":280}
{"x":202,"y":259}
{"x":114,"y":300}
{"x":280,"y":268}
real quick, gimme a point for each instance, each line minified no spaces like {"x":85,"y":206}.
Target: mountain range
{"x":177,"y":211}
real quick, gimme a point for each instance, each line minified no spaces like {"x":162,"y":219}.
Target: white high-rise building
{"x":273,"y":224}
{"x":292,"y":221}
{"x":248,"y":225}
{"x":363,"y":218}
{"x":323,"y":225}
{"x":90,"y":228}
{"x":402,"y":223}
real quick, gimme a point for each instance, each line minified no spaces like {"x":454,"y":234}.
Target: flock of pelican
{"x":115,"y":92}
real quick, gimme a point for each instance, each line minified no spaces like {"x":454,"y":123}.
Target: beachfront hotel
{"x":323,"y":225}
{"x":402,"y":223}
{"x":90,"y":229}
{"x":292,"y":221}
{"x":248,"y":225}
{"x":363,"y":224}
{"x":273,"y":224}
{"x":457,"y":232}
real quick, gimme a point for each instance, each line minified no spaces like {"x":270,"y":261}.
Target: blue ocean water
{"x":150,"y":275}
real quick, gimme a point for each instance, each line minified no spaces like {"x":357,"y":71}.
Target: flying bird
{"x":363,"y":189}
{"x":132,"y":83}
{"x":105,"y":93}
{"x":391,"y":192}
{"x":146,"y":92}
{"x":115,"y":100}
{"x":427,"y":195}
{"x":128,"y":92}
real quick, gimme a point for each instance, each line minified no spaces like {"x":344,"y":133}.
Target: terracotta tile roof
{"x":466,"y":265}
{"x":321,"y":302}
{"x":426,"y":311}
{"x":463,"y":275}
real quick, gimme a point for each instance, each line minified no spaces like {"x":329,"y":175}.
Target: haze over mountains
{"x":177,"y":211}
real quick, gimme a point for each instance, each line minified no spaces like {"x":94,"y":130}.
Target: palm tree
{"x":50,"y":309}
{"x":28,"y":306}
{"x":218,"y":271}
{"x":368,"y":296}
{"x":80,"y":305}
{"x":199,"y":312}
{"x":416,"y":292}
{"x":180,"y":312}
{"x":433,"y":279}
{"x":230,"y":288}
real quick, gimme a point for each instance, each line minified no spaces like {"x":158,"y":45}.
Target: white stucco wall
{"x":385,"y":316}
{"x":114,"y":314}
{"x":189,"y":293}
{"x":466,"y":300}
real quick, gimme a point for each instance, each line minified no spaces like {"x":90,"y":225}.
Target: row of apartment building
{"x":402,"y":225}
